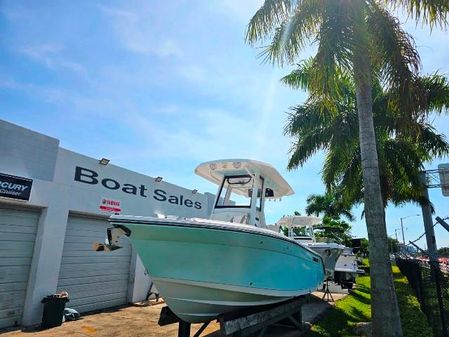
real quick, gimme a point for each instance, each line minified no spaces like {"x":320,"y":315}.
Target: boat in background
{"x":329,"y":251}
{"x":347,"y":269}
{"x":207,"y":267}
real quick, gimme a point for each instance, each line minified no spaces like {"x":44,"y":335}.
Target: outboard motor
{"x":112,"y":240}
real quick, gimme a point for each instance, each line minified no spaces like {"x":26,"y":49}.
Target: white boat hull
{"x":202,"y":302}
{"x":329,"y":252}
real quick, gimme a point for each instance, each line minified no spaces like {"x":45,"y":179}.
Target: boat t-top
{"x":207,"y":267}
{"x":329,"y":251}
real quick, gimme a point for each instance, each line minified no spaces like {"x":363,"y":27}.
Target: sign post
{"x":428,"y":223}
{"x":443,"y":172}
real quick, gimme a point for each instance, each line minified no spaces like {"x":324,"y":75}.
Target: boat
{"x":230,"y":262}
{"x":304,"y":225}
{"x":347,"y":269}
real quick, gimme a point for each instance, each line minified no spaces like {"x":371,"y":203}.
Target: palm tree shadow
{"x":359,"y":315}
{"x":361,"y":298}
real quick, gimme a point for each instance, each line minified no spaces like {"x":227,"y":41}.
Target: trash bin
{"x":53,"y":310}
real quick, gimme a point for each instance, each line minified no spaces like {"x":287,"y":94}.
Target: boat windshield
{"x":235,"y":192}
{"x":301,"y":231}
{"x":325,"y":240}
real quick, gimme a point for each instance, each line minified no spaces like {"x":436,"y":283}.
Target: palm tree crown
{"x":331,"y":125}
{"x":329,"y":205}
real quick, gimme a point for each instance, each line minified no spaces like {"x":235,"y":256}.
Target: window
{"x":235,"y":192}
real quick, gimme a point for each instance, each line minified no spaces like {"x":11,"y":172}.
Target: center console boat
{"x":301,"y":229}
{"x":207,"y":267}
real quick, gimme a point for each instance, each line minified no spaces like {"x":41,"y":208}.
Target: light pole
{"x":395,"y":243}
{"x":402,"y":226}
{"x":396,"y":233}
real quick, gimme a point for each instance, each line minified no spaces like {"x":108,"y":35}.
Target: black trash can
{"x":54,"y":306}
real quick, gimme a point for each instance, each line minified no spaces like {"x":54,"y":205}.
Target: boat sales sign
{"x":15,"y":187}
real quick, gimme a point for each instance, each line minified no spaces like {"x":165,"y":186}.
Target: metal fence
{"x":431,"y":286}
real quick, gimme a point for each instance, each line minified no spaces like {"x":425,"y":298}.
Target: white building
{"x":54,"y":204}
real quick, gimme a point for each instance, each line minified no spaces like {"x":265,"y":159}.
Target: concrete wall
{"x":27,"y":153}
{"x":65,"y":181}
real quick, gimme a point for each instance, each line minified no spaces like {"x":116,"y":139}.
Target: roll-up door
{"x":17,"y":236}
{"x":94,"y":280}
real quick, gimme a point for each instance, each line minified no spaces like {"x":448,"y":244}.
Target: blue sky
{"x":158,"y":87}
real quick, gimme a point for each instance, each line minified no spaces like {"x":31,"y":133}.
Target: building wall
{"x":27,"y":153}
{"x":67,"y":182}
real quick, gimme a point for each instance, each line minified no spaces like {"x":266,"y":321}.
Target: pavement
{"x":141,"y":319}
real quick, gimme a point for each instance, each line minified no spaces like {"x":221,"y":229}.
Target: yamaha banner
{"x":15,"y":187}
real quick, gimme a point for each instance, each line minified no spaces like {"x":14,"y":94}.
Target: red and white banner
{"x":110,"y":205}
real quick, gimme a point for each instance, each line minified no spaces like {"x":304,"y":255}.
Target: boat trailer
{"x":245,"y":322}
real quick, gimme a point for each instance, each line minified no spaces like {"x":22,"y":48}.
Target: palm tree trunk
{"x":386,"y":320}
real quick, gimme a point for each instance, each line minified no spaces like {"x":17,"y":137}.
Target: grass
{"x":429,"y":293}
{"x":356,"y":307}
{"x":414,"y":322}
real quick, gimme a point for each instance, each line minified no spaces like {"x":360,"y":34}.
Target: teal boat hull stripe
{"x":214,"y":225}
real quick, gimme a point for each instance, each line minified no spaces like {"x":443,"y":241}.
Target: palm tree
{"x":329,"y":205}
{"x":402,"y":151}
{"x":363,"y":38}
{"x":334,"y":230}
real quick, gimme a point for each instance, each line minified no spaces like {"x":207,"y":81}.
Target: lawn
{"x":341,"y":319}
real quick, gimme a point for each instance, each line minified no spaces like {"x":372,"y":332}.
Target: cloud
{"x":66,"y":100}
{"x":200,"y":134}
{"x":14,"y":14}
{"x":41,"y":53}
{"x":49,"y":94}
{"x":52,"y":57}
{"x":237,"y":9}
{"x":137,"y":31}
{"x":169,"y":48}
{"x":194,"y":73}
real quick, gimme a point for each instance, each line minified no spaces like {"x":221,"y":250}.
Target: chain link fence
{"x":431,"y":287}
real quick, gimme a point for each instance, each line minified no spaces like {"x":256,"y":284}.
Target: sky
{"x":161,"y":86}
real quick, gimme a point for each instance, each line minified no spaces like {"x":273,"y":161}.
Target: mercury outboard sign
{"x":91,"y":177}
{"x":15,"y":187}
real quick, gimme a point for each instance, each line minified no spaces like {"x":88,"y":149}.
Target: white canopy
{"x":291,"y":221}
{"x":214,"y":171}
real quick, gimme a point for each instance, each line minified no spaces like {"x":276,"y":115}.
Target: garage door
{"x":17,"y":236}
{"x":94,"y":280}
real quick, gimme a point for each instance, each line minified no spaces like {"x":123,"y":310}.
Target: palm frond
{"x":432,"y":12}
{"x":335,"y":45}
{"x":437,"y":92}
{"x":395,"y":52}
{"x":291,"y":35}
{"x":431,"y":143}
{"x":314,"y":114}
{"x":336,"y":162}
{"x":300,"y":77}
{"x":307,"y":145}
{"x":330,"y":205}
{"x":351,"y":183}
{"x":271,"y":14}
